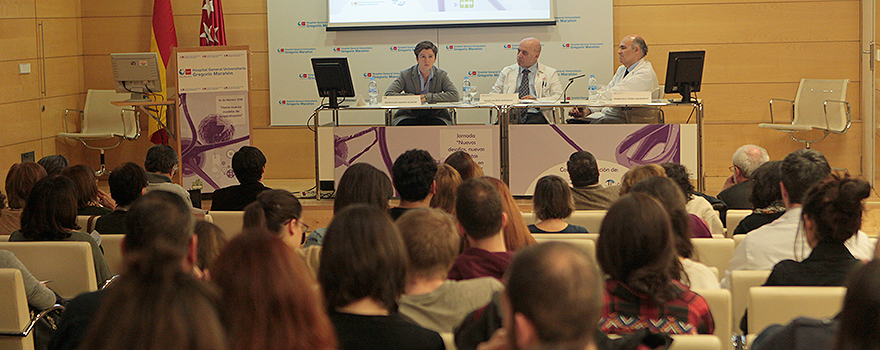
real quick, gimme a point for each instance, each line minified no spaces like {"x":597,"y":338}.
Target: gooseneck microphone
{"x":570,"y":80}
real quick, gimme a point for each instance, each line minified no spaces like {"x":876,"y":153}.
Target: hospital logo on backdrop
{"x":568,"y":19}
{"x":353,"y":49}
{"x":306,"y":76}
{"x":381,"y":75}
{"x":406,"y":49}
{"x":510,"y":47}
{"x":483,"y":73}
{"x":312,"y":24}
{"x":297,"y":102}
{"x":296,"y":50}
{"x":465,"y":47}
{"x":581,"y":46}
{"x":568,"y":73}
{"x":185,"y":72}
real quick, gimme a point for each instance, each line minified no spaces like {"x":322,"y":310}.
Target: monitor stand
{"x":685,"y":90}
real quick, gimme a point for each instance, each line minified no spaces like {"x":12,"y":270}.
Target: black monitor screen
{"x":684,"y":73}
{"x":332,"y":77}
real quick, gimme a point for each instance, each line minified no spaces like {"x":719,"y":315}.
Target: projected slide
{"x":415,"y":12}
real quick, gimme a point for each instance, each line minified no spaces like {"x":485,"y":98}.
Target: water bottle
{"x":465,"y":87}
{"x":594,"y":92}
{"x":374,"y":92}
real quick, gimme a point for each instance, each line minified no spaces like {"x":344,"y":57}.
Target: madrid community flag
{"x":163,"y":39}
{"x":213,"y":32}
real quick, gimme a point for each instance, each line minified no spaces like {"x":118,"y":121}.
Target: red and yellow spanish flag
{"x":163,"y":39}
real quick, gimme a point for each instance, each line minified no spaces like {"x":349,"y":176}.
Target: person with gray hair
{"x":160,"y":164}
{"x":738,"y":187}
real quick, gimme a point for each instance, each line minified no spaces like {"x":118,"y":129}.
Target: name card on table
{"x":630,"y":97}
{"x":499,"y":99}
{"x":402,"y":101}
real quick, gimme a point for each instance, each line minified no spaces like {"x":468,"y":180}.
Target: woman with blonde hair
{"x":634,"y":175}
{"x":446,"y":181}
{"x":516,"y":232}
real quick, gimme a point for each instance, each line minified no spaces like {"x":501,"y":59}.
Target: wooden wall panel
{"x":106,"y":35}
{"x":58,"y":8}
{"x":19,"y":39}
{"x":116,"y":8}
{"x":188,"y":29}
{"x":64,"y":76}
{"x":51,"y":118}
{"x":11,"y":154}
{"x":19,"y":87}
{"x":260,"y":70}
{"x":623,"y":3}
{"x":17,"y":9}
{"x":63,"y":37}
{"x":729,"y":23}
{"x":248,"y":29}
{"x":98,"y":72}
{"x":290,"y":151}
{"x":259,"y":112}
{"x":21,"y":122}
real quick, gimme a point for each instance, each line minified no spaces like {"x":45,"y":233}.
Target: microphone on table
{"x":570,"y":80}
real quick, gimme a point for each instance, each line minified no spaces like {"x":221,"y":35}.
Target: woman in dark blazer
{"x":427,"y":81}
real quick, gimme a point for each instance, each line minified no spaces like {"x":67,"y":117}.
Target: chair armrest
{"x":848,"y":113}
{"x":136,"y":121}
{"x":772,"y":121}
{"x":30,"y":326}
{"x":64,"y":118}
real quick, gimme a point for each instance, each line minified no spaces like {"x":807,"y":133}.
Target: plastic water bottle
{"x":374,"y":92}
{"x":594,"y":92}
{"x":465,"y":87}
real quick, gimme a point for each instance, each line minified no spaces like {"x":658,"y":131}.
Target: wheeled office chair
{"x":819,"y":104}
{"x":103,"y":121}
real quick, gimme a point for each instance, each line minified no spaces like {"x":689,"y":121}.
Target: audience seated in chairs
{"x":159,"y":254}
{"x":738,"y":187}
{"x":516,"y":231}
{"x":465,"y":165}
{"x":413,"y":177}
{"x":360,"y":183}
{"x":19,"y":181}
{"x":279,"y":212}
{"x":636,"y":249}
{"x":445,"y":183}
{"x":696,"y":203}
{"x":431,"y":300}
{"x":766,"y":198}
{"x":160,"y":164}
{"x":588,"y":193}
{"x":39,"y":297}
{"x":480,"y":214}
{"x":552,"y":204}
{"x":50,"y":215}
{"x":248,"y":164}
{"x":89,"y":199}
{"x":694,"y":274}
{"x":362,"y":274}
{"x":212,"y":239}
{"x":268,"y":299}
{"x":127,"y":183}
{"x":53,"y":164}
{"x":639,"y":173}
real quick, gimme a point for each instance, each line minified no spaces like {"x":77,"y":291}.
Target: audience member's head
{"x":679,"y":174}
{"x":860,"y":316}
{"x":248,"y":164}
{"x":553,"y":291}
{"x":363,"y":258}
{"x":53,"y":164}
{"x":50,"y":213}
{"x":479,"y":209}
{"x":668,"y":193}
{"x":748,"y":158}
{"x":211,"y":240}
{"x":160,"y":159}
{"x":799,"y":171}
{"x":634,"y":175}
{"x":363,"y":183}
{"x":465,"y":165}
{"x":267,"y":296}
{"x":19,"y":181}
{"x":160,"y":235}
{"x":127,"y":183}
{"x":516,"y":232}
{"x":833,"y":209}
{"x":279,"y":212}
{"x":583,"y":169}
{"x":432,"y":242}
{"x":765,"y":191}
{"x":445,"y":183}
{"x":413,"y":175}
{"x":636,"y":246}
{"x":86,"y":184}
{"x":552,"y":199}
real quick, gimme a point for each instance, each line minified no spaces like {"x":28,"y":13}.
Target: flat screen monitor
{"x":405,"y":14}
{"x":333,"y":78}
{"x":136,"y":73}
{"x":684,"y":73}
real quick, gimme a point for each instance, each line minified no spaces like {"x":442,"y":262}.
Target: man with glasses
{"x":738,"y":186}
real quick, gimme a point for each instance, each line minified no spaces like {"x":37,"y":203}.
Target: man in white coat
{"x":634,"y":74}
{"x":530,"y":80}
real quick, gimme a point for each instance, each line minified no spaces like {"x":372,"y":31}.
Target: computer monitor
{"x":136,"y":73}
{"x":333,"y":78}
{"x":684,"y":73}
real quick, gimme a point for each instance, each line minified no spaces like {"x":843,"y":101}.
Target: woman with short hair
{"x":552,"y":204}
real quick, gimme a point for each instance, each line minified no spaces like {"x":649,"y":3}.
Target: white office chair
{"x":734,"y":216}
{"x":819,"y":105}
{"x":103,"y":121}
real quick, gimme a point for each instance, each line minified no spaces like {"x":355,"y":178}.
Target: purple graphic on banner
{"x":340,"y":148}
{"x":566,"y":138}
{"x":639,"y":148}
{"x":193,"y":149}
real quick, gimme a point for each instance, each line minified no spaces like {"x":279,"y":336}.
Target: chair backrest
{"x":737,"y":239}
{"x":809,"y":107}
{"x":734,"y":216}
{"x":779,"y":305}
{"x":69,"y":265}
{"x":695,"y":342}
{"x":591,"y":219}
{"x":86,"y":222}
{"x":713,"y":252}
{"x":585,"y":243}
{"x":4,"y":238}
{"x":14,"y":315}
{"x":719,"y":304}
{"x":740,"y":282}
{"x":112,"y":245}
{"x":102,"y":117}
{"x":529,"y":218}
{"x":564,"y":236}
{"x":230,"y":222}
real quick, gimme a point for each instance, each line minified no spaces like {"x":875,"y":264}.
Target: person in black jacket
{"x":248,"y":164}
